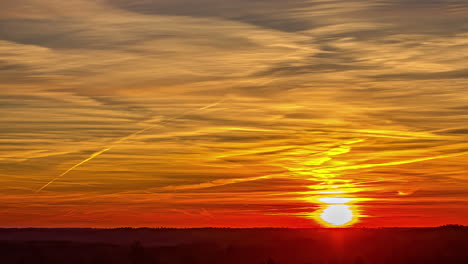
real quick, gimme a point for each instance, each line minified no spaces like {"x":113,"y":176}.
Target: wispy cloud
{"x":330,"y":96}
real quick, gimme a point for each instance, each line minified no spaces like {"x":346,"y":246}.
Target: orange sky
{"x":233,"y":113}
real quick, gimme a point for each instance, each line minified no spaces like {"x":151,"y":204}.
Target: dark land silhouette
{"x":446,"y":244}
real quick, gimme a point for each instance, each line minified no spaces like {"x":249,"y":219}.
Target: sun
{"x":336,"y":212}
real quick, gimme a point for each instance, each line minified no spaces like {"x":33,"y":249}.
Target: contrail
{"x":97,"y":153}
{"x":76,"y":165}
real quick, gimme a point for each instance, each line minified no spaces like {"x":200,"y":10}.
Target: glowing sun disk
{"x":337,"y":214}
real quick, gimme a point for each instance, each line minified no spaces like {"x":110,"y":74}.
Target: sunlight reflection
{"x":335,"y":200}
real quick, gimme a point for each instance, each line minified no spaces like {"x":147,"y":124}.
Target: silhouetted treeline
{"x":446,"y":244}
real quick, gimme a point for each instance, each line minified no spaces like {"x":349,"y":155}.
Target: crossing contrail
{"x":97,"y":153}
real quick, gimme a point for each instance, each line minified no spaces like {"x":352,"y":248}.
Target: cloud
{"x":140,"y":51}
{"x":307,"y":99}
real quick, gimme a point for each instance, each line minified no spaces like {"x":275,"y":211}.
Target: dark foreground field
{"x":441,"y":245}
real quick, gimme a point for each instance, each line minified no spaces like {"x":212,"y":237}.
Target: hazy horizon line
{"x":238,"y":228}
